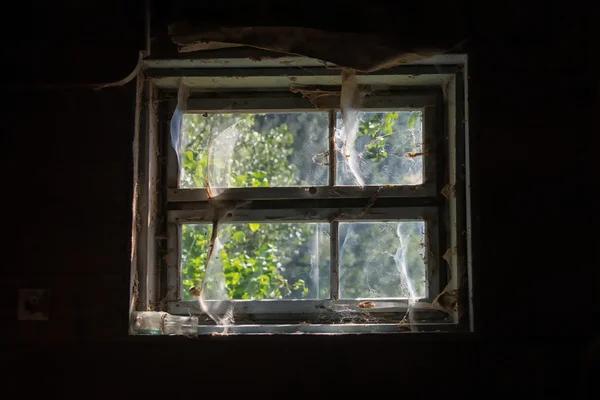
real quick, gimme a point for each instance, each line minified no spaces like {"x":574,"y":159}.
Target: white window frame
{"x":437,"y":89}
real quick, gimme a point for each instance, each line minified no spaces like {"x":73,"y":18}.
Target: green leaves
{"x":370,"y":127}
{"x":376,"y":150}
{"x":254,"y":261}
{"x":240,"y":180}
{"x":259,"y":174}
{"x":379,"y":126}
{"x":413,"y":120}
{"x":388,"y":124}
{"x":264,"y":260}
{"x":239,"y":236}
{"x":300,"y":285}
{"x":233,"y":278}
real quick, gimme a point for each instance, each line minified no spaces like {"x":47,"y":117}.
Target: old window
{"x":291,"y":197}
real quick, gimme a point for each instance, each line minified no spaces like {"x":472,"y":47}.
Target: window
{"x":286,"y":199}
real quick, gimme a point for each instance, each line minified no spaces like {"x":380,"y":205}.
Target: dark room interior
{"x":68,"y":170}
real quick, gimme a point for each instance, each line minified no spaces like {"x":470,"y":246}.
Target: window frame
{"x":443,"y":127}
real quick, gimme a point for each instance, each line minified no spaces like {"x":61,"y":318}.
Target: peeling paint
{"x":449,"y":191}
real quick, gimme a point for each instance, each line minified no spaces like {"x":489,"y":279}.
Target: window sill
{"x":161,"y":323}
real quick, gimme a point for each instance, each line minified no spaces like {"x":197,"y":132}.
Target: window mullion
{"x":334,"y":265}
{"x":332,"y":150}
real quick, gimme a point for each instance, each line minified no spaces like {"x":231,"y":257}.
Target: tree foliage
{"x":284,"y":260}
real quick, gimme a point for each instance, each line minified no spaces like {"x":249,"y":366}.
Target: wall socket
{"x":34,"y":305}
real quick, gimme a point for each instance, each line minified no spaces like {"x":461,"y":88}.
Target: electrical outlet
{"x":34,"y":305}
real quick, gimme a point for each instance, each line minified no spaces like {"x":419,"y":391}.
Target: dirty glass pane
{"x":382,"y":259}
{"x":258,"y":261}
{"x":380,"y":148}
{"x":254,"y":150}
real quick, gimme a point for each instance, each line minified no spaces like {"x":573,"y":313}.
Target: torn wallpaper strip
{"x":362,"y":52}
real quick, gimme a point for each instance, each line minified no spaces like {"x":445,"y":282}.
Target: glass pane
{"x":258,"y":261}
{"x":382,"y":260}
{"x":254,"y":150}
{"x":380,"y":148}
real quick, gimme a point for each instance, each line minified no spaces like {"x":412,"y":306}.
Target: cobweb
{"x":386,"y":268}
{"x":350,"y":101}
{"x":177,"y":119}
{"x":220,"y":159}
{"x":213,"y":284}
{"x":387,"y":152}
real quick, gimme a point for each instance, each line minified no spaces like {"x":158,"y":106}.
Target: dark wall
{"x":67,"y":168}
